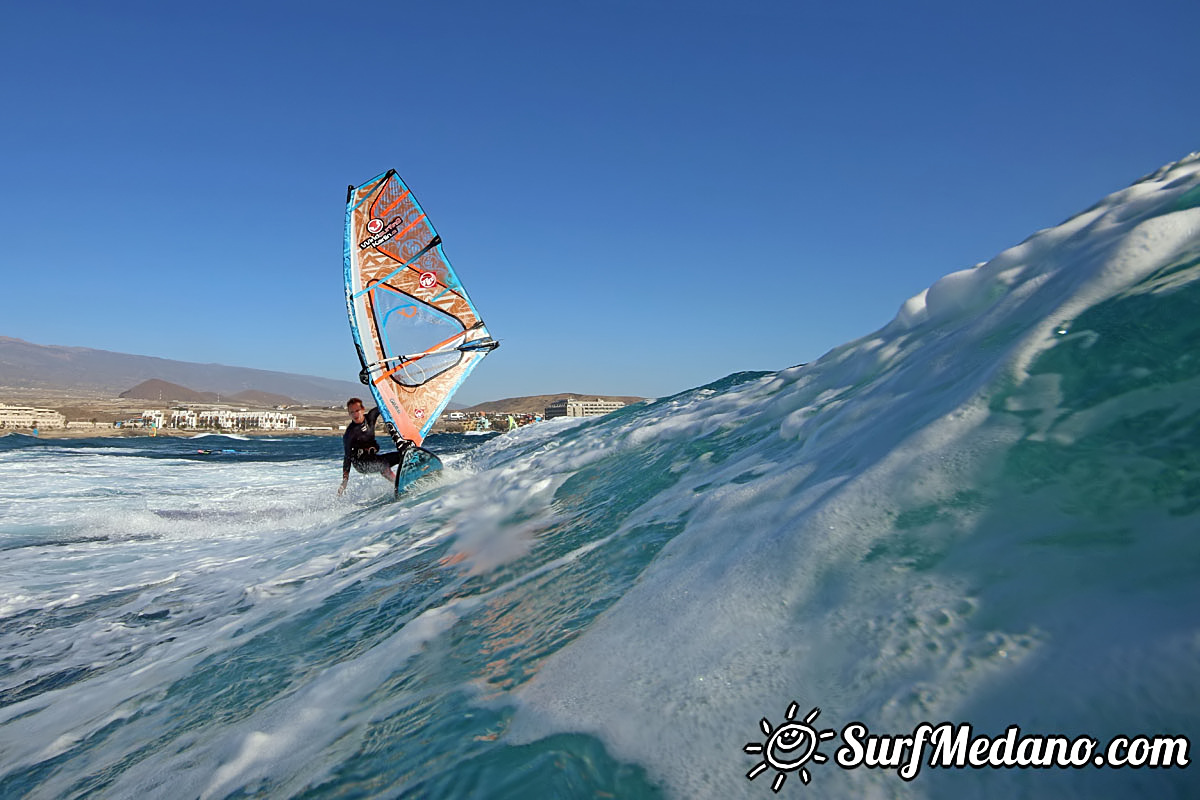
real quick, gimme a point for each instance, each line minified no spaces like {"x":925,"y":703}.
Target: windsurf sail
{"x":417,"y":332}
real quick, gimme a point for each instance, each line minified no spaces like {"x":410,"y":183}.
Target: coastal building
{"x":223,"y":418}
{"x":25,"y":417}
{"x":184,"y":418}
{"x":246,"y":420}
{"x":88,"y":425}
{"x":568,"y":407}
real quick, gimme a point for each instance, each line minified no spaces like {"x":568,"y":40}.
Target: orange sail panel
{"x":417,"y":332}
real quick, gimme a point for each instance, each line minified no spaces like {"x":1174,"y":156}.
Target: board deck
{"x":418,"y":463}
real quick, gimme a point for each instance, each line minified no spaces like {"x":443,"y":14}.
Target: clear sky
{"x":640,"y":196}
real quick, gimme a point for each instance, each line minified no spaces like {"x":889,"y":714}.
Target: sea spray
{"x":983,"y":514}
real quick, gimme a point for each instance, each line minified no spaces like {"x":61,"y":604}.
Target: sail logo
{"x":428,"y":280}
{"x":380,"y":232}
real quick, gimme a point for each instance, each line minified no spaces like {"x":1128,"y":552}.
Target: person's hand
{"x":342,"y":488}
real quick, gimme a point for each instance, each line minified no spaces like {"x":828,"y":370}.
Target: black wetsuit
{"x":361,"y":449}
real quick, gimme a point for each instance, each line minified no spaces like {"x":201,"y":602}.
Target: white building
{"x":183,"y":418}
{"x":581,"y":408}
{"x":25,"y":417}
{"x":245,"y":420}
{"x":275,"y":420}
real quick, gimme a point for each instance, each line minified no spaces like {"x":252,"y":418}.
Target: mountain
{"x":28,"y":365}
{"x":155,"y":389}
{"x":253,"y":397}
{"x":25,"y":364}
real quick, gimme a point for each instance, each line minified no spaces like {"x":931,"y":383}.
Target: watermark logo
{"x":792,"y":745}
{"x":789,"y":747}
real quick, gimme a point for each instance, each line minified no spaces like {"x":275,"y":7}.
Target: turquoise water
{"x":986,"y":512}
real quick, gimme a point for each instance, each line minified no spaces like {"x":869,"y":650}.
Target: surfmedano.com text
{"x":956,"y":747}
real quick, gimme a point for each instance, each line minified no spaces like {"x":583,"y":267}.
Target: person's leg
{"x":390,"y":460}
{"x":371,"y":465}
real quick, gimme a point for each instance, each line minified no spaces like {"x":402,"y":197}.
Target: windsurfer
{"x":360,"y":446}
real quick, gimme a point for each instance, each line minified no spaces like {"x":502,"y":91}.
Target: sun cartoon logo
{"x":789,"y":747}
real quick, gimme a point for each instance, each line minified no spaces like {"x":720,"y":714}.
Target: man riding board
{"x":361,"y":450}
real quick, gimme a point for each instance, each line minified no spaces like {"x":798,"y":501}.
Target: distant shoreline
{"x":163,"y":433}
{"x":80,"y":406}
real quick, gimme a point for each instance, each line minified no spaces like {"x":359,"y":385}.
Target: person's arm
{"x":372,"y":416}
{"x":345,"y":466}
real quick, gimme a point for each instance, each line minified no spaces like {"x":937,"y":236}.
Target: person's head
{"x":354,"y":407}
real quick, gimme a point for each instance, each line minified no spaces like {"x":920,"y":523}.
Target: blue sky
{"x":641,"y":197}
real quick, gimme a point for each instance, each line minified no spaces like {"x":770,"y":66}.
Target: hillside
{"x":52,"y":367}
{"x":253,"y":397}
{"x":79,"y":378}
{"x":164,"y":392}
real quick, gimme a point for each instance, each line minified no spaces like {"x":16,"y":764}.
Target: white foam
{"x":156,"y":595}
{"x":771,"y":594}
{"x":792,"y":579}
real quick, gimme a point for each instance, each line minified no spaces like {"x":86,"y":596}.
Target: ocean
{"x":983,"y":516}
